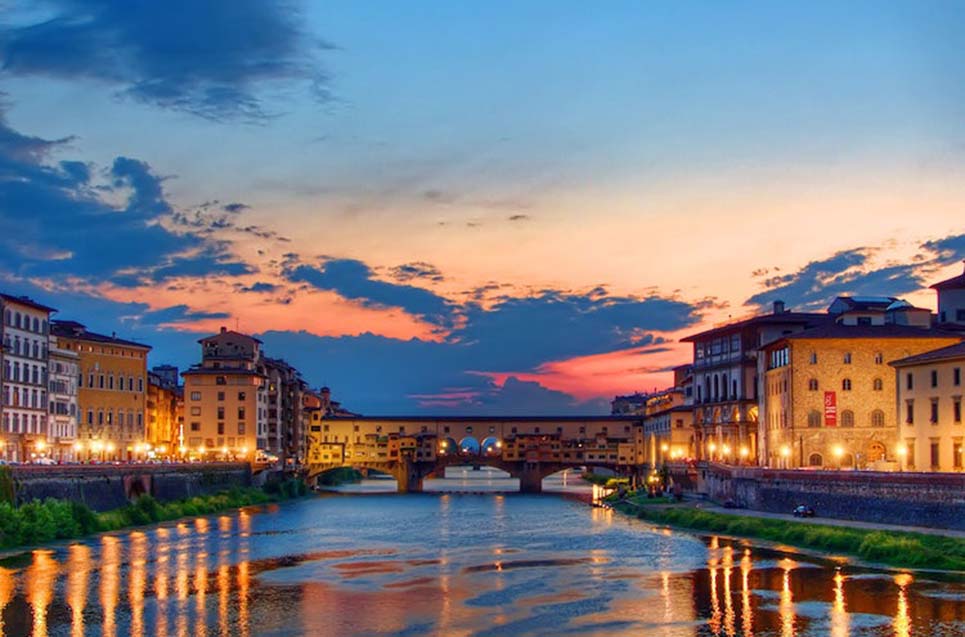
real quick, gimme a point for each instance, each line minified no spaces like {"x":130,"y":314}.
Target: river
{"x":451,"y":564}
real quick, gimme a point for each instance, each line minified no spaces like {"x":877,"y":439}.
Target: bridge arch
{"x":469,"y":446}
{"x":491,"y":446}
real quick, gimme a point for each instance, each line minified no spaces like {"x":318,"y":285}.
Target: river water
{"x":486,"y":565}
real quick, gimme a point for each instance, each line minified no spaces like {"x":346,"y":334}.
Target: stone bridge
{"x":411,"y":449}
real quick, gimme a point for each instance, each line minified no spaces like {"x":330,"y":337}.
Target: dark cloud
{"x":354,"y":280}
{"x":519,"y":218}
{"x":210,"y":58}
{"x":235,"y":207}
{"x":848,"y":273}
{"x":261,"y":286}
{"x":55,"y":220}
{"x":416,"y":270}
{"x":178,"y":314}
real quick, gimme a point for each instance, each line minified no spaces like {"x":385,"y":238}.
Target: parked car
{"x":803,"y":511}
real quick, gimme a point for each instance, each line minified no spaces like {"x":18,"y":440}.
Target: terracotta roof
{"x":888,"y":330}
{"x":75,"y":330}
{"x":762,"y":319}
{"x":954,"y":283}
{"x":224,"y":332}
{"x":23,"y":300}
{"x":940,"y":354}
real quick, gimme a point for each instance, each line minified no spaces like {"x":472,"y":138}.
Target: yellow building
{"x":112,"y":391}
{"x":829,"y":394}
{"x":162,"y":431}
{"x":225,"y":398}
{"x":929,"y":410}
{"x":668,"y":429}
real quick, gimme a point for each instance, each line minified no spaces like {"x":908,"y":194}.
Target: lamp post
{"x":712,"y":448}
{"x":744,"y":453}
{"x":902,"y":452}
{"x":838,"y":452}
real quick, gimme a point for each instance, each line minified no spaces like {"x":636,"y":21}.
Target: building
{"x":951,"y":302}
{"x":64,"y":370}
{"x":167,"y":375}
{"x":112,"y":391}
{"x":286,"y":427}
{"x":668,"y":433}
{"x":726,"y":380}
{"x":226,"y":398}
{"x":629,"y":404}
{"x":23,"y":388}
{"x":828,"y":394}
{"x":163,"y":427}
{"x":929,"y":410}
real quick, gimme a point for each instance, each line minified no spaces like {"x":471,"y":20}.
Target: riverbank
{"x":37,"y":523}
{"x":892,"y":548}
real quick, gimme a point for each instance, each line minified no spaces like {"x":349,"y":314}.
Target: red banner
{"x":830,"y":409}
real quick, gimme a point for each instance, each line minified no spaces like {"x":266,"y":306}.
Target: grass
{"x":603,"y":481}
{"x":910,"y":550}
{"x":44,"y":521}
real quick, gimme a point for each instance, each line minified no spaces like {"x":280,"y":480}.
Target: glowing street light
{"x":838,"y":452}
{"x":712,"y":447}
{"x":664,"y":447}
{"x":40,"y":445}
{"x":744,"y":452}
{"x":902,"y":452}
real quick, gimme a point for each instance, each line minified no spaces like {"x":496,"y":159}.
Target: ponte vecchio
{"x":528,"y":448}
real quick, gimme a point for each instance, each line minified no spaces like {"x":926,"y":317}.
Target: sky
{"x":474,"y":208}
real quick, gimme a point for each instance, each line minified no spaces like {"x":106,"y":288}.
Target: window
{"x":909,"y":381}
{"x":846,"y":384}
{"x":934,"y":453}
{"x":110,"y":381}
{"x":220,"y":380}
{"x":195,"y":411}
{"x":877,"y":418}
{"x":814,"y":418}
{"x":813,"y":384}
{"x":910,"y":412}
{"x":140,"y":384}
{"x":220,"y":428}
{"x":195,"y":395}
{"x":960,"y":315}
{"x":864,"y":320}
{"x":847,"y":418}
{"x":847,"y":358}
{"x":957,"y":410}
{"x":815,"y":460}
{"x":814,"y":358}
{"x":220,"y":395}
{"x":241,"y":413}
{"x":241,"y":428}
{"x":934,"y":378}
{"x":933,"y":418}
{"x":241,"y":395}
{"x":910,"y":446}
{"x":100,"y":381}
{"x":879,"y":358}
{"x":878,"y":384}
{"x":220,"y":413}
{"x":957,"y":376}
{"x":195,"y":426}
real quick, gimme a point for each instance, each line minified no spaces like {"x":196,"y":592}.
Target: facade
{"x":726,"y":380}
{"x":929,"y":410}
{"x":828,"y":393}
{"x":63,"y":370}
{"x":285,"y":422}
{"x":629,"y":405}
{"x":226,"y":398}
{"x":951,"y":302}
{"x":668,"y":433}
{"x":162,"y":431}
{"x":24,"y":384}
{"x":112,"y":391}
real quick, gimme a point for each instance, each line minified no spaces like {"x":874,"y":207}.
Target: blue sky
{"x":476,"y":207}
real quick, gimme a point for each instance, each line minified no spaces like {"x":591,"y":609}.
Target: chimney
{"x":779,"y":307}
{"x":223,"y":329}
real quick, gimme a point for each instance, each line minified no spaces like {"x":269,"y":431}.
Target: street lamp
{"x":902,"y":451}
{"x":744,"y":452}
{"x":838,"y":452}
{"x":726,"y":451}
{"x":712,"y":447}
{"x":786,"y":454}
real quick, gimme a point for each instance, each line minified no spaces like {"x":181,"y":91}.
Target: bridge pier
{"x":531,"y":479}
{"x":409,"y":477}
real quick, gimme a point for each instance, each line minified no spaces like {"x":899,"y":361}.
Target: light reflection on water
{"x":481,"y":565}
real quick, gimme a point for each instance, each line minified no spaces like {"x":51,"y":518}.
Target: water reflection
{"x":450,"y":565}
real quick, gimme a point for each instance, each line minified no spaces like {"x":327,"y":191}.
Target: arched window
{"x":847,"y":358}
{"x":733,"y":393}
{"x":879,"y":358}
{"x":878,"y":384}
{"x":9,"y":318}
{"x":814,"y":418}
{"x":846,"y":384}
{"x":815,"y":460}
{"x":847,"y":418}
{"x":813,"y":384}
{"x":877,"y":418}
{"x":16,"y":320}
{"x":723,"y":387}
{"x":36,"y":324}
{"x":110,"y":381}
